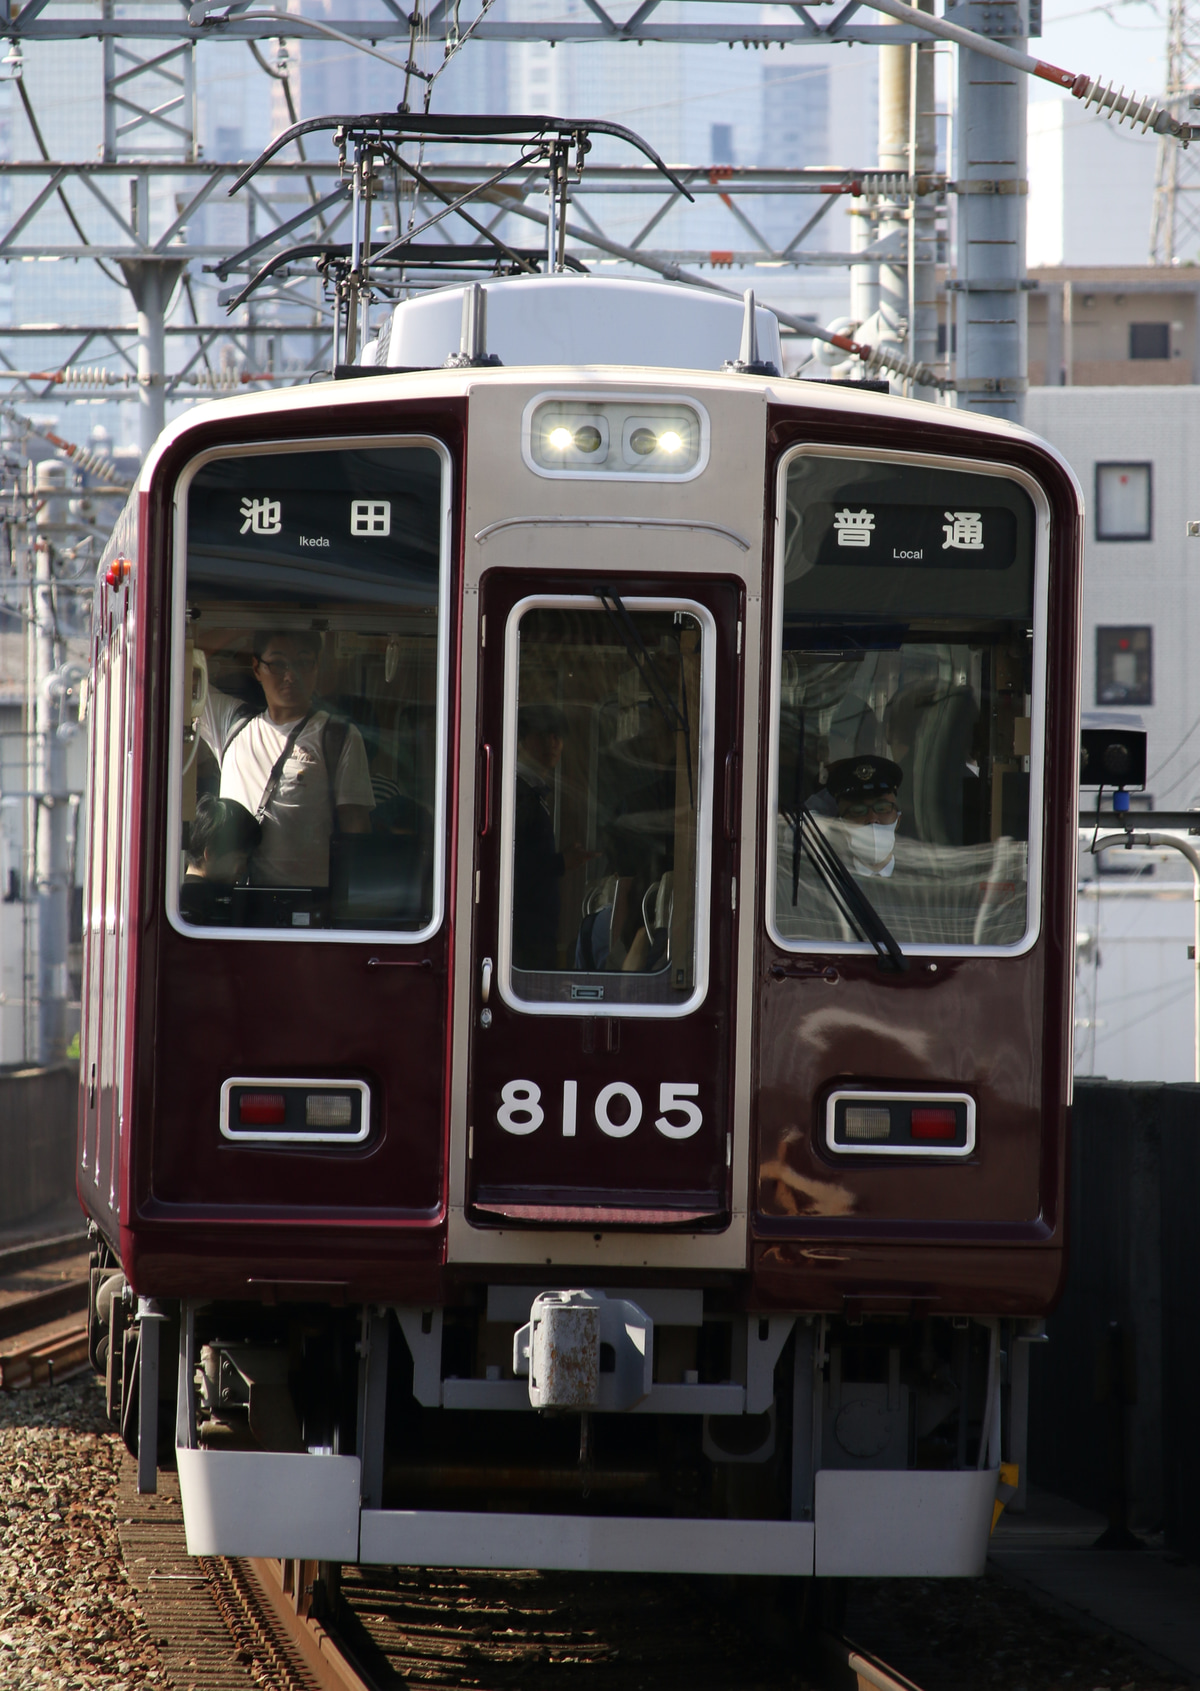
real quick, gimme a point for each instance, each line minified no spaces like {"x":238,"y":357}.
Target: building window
{"x":1123,"y":501}
{"x":1124,"y":666}
{"x":1149,"y":340}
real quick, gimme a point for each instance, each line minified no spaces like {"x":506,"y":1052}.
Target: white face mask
{"x":873,"y":843}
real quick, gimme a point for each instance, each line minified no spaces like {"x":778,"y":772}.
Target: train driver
{"x":300,"y":772}
{"x":864,"y":789}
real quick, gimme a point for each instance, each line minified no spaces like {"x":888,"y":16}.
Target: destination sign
{"x":980,"y":537}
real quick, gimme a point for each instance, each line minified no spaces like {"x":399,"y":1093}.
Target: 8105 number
{"x":521,"y":1109}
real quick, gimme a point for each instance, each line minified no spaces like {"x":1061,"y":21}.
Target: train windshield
{"x":606,"y":801}
{"x":310,"y":695}
{"x":905,"y":706}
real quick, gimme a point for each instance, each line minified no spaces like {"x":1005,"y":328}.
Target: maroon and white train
{"x":607,"y":1106}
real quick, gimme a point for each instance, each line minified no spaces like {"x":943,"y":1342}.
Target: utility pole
{"x":151,"y":281}
{"x":991,"y":304}
{"x":907,"y":302}
{"x":48,"y":797}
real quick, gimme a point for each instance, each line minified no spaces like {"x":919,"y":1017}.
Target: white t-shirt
{"x":294,"y":851}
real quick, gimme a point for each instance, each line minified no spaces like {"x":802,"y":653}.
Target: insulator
{"x":1112,"y":102}
{"x":88,"y":376}
{"x":879,"y":358}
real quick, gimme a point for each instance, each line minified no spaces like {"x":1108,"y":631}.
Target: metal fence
{"x":38,"y":1109}
{"x":1113,"y":1395}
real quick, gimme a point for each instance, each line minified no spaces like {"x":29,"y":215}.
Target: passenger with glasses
{"x":299,"y":770}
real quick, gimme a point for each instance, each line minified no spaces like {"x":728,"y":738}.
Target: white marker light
{"x":670,"y":442}
{"x":561,"y":439}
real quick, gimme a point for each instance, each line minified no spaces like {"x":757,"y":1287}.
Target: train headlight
{"x":862,"y":1123}
{"x":867,"y":1122}
{"x":329,"y":1109}
{"x":662,"y":443}
{"x":627,"y":439}
{"x":294,"y":1111}
{"x":564,"y":436}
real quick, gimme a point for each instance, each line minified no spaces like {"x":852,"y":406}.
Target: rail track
{"x":43,"y":1311}
{"x":457,"y":1628}
{"x":224,"y":1625}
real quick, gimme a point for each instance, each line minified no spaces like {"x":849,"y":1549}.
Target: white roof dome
{"x":564,"y":319}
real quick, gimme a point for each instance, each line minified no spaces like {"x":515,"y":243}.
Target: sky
{"x":1123,"y":42}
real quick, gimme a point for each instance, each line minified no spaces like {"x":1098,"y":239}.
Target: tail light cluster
{"x":906,"y":1124}
{"x":314,"y":1112}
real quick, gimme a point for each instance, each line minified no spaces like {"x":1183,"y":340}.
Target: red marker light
{"x":930,"y":1123}
{"x":117,"y":572}
{"x":261,"y":1109}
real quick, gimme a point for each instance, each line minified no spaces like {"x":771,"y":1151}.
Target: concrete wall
{"x":1123,"y":1359}
{"x":38,"y":1109}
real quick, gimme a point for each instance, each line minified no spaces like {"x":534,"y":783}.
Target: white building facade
{"x":1135,"y":451}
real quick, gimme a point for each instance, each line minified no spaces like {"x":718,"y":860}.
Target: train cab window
{"x":606,"y":805}
{"x":310,"y":687}
{"x":907,"y":717}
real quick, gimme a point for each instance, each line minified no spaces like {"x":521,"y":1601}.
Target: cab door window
{"x":606,"y":804}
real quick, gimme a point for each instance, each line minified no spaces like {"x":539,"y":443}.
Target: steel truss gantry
{"x":815,"y":22}
{"x":150,"y":139}
{"x":165,"y":197}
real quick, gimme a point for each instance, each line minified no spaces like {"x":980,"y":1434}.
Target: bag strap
{"x":243,"y":718}
{"x":333,"y":743}
{"x":273,"y":778}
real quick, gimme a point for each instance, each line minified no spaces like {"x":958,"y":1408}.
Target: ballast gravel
{"x":69,"y":1619}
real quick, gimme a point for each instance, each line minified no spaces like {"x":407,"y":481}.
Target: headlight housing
{"x":628,"y":439}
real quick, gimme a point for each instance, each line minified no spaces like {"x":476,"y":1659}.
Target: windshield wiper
{"x":642,"y":657}
{"x":845,"y":891}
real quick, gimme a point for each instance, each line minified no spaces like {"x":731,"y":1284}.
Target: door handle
{"x":485,"y":805}
{"x":485,"y":982}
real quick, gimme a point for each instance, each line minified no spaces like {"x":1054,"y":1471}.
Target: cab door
{"x":602,"y":1027}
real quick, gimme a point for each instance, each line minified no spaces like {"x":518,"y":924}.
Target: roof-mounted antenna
{"x":747,"y":362}
{"x":472,"y":353}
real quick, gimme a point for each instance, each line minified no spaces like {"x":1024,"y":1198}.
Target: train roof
{"x":581,"y":319}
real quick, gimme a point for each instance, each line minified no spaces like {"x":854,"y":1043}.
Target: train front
{"x":577,"y":1053}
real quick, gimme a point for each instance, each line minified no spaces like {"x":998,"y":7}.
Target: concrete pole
{"x":50,"y":799}
{"x":908,"y":145}
{"x":151,"y":281}
{"x":991,"y":310}
{"x":864,"y":278}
